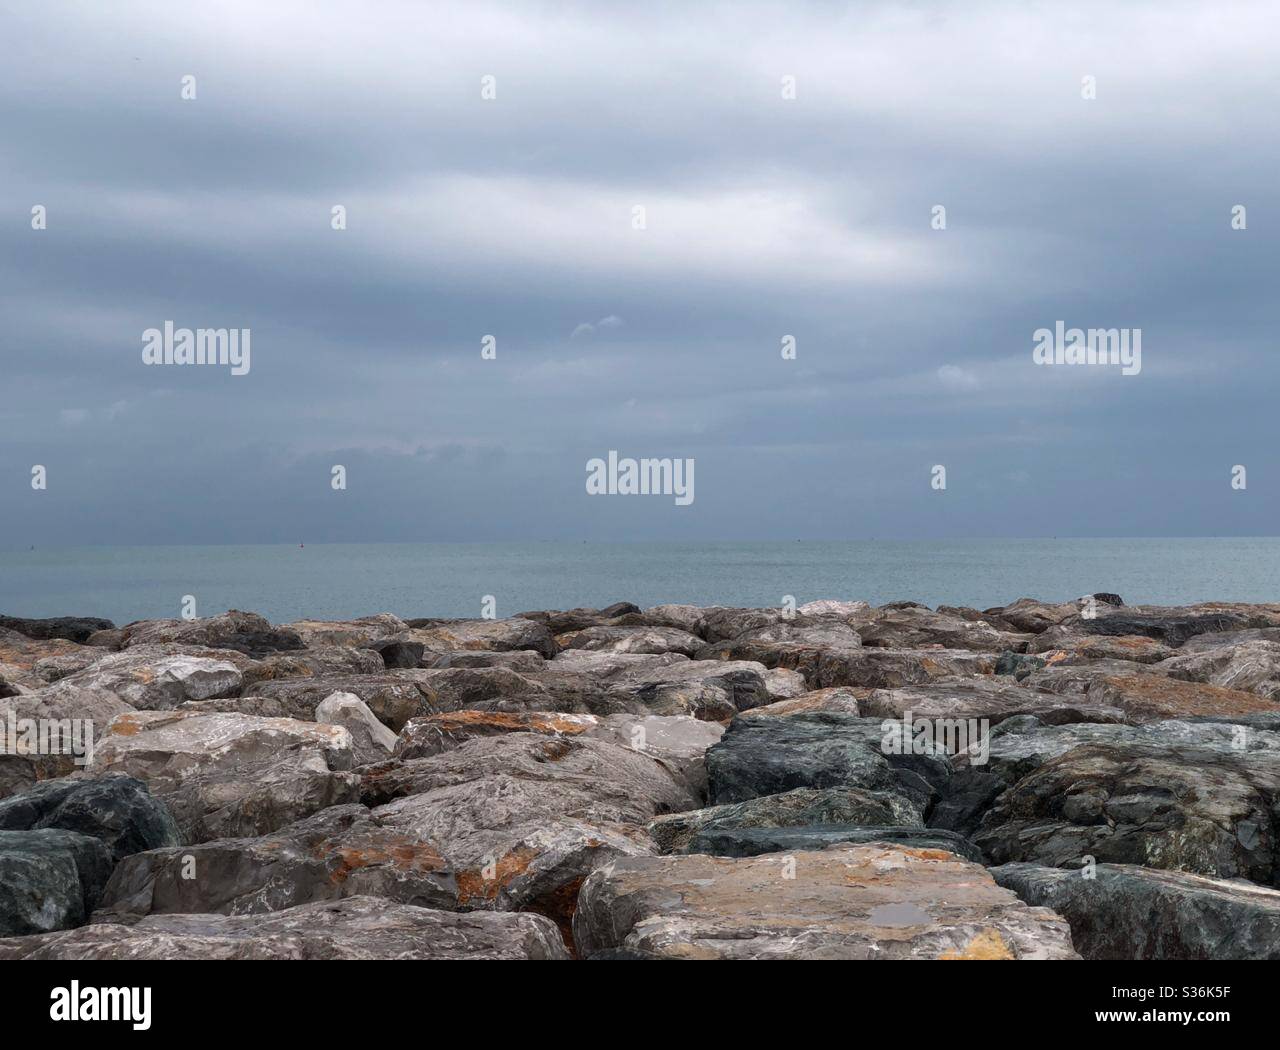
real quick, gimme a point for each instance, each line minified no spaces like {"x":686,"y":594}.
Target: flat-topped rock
{"x":1143,"y":695}
{"x":798,"y":808}
{"x":992,"y":698}
{"x":354,"y":928}
{"x":845,"y":902}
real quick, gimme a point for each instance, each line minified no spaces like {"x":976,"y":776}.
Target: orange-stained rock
{"x":871,"y":901}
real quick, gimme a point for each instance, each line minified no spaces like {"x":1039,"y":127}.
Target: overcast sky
{"x":765,"y":216}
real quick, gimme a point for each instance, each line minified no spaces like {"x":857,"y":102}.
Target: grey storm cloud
{"x":513,"y":217}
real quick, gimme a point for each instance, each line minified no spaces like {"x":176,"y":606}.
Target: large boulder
{"x":679,"y":743}
{"x":823,"y":750}
{"x":501,"y":635}
{"x":20,"y":653}
{"x":243,"y":632}
{"x":754,"y":842}
{"x":50,"y":879}
{"x":436,"y":734}
{"x":523,"y":818}
{"x":72,"y":719}
{"x":324,"y":661}
{"x":1252,"y":666}
{"x":889,"y":668}
{"x":1031,"y":615}
{"x":371,"y":741}
{"x":1210,"y":810}
{"x":339,"y":852}
{"x":393,"y":699}
{"x":582,"y":681}
{"x":632,"y":640}
{"x":799,"y":808}
{"x":71,"y":628}
{"x":354,"y":928}
{"x":229,"y":775}
{"x":454,"y":688}
{"x":845,"y":902}
{"x":1070,"y":645}
{"x":841,"y":699}
{"x":1175,"y":626}
{"x":118,"y":810}
{"x":358,"y":633}
{"x":991,"y":698}
{"x":916,"y":628}
{"x":516,"y":660}
{"x":1141,"y":693}
{"x":1122,"y":911}
{"x":157,"y":678}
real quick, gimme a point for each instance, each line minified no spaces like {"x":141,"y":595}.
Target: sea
{"x":341,"y":580}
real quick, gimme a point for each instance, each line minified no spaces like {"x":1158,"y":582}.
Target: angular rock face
{"x":632,"y":640}
{"x":436,"y":734}
{"x":993,"y":699}
{"x":393,"y":699}
{"x":560,"y":621}
{"x":518,"y":660}
{"x":53,"y":706}
{"x":846,"y":902}
{"x":50,"y":879}
{"x":800,"y":808}
{"x":769,"y":756}
{"x":1033,"y":616}
{"x":117,"y":810}
{"x":1019,"y":746}
{"x":828,"y":608}
{"x":454,"y":688}
{"x":71,"y":628}
{"x":1072,"y":645}
{"x":18,"y":652}
{"x":795,"y":644}
{"x":1144,"y":696}
{"x":500,"y":635}
{"x":1176,"y":626}
{"x":1251,"y":666}
{"x":840,"y":700}
{"x":339,"y":852}
{"x":229,"y":775}
{"x":891,"y":668}
{"x":1209,"y":811}
{"x":354,"y":928}
{"x":604,"y":683}
{"x":244,"y":632}
{"x":371,"y":741}
{"x":677,"y":743}
{"x":1128,"y":912}
{"x":158,"y":679}
{"x":755,"y":842}
{"x":521,"y":818}
{"x":356,"y":633}
{"x":915,"y":628}
{"x":317,"y":662}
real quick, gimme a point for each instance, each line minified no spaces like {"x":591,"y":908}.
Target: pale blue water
{"x":345,"y":580}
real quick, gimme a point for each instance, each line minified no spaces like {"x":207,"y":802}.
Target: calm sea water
{"x":345,"y":580}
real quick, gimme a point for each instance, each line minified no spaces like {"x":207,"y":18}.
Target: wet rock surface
{"x":622,"y":782}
